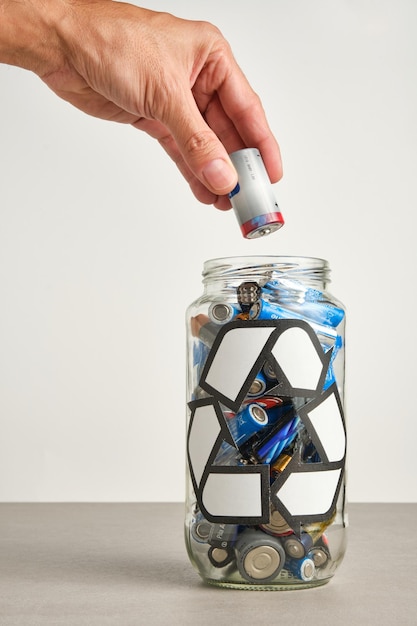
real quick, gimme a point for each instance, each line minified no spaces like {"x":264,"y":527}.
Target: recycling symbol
{"x":235,"y":489}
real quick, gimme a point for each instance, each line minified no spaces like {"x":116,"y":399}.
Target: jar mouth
{"x":264,"y":259}
{"x":297,"y":267}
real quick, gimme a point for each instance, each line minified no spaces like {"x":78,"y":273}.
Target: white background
{"x":102,"y":246}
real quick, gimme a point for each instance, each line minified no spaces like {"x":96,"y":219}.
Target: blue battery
{"x":330,"y":375}
{"x":258,"y":386}
{"x":294,"y":293}
{"x":266,"y":310}
{"x":200,"y":353}
{"x":269,"y":373}
{"x":311,"y":302}
{"x":268,"y":451}
{"x":286,"y":289}
{"x":304,"y":569}
{"x":297,"y":547}
{"x":322,"y":313}
{"x":251,"y":419}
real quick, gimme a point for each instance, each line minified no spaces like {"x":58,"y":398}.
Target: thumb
{"x":201,"y":149}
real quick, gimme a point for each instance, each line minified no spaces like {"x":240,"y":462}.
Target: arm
{"x":175,"y":79}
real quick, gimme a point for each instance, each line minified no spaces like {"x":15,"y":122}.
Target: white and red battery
{"x":253,"y":199}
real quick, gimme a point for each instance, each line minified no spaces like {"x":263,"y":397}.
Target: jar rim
{"x":292,"y":261}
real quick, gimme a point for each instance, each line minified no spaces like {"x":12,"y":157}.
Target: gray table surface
{"x":101,"y":564}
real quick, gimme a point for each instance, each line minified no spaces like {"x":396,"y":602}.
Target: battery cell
{"x":304,"y":569}
{"x":251,"y":419}
{"x":252,"y":199}
{"x":260,"y":557}
{"x":297,"y":547}
{"x":222,"y":312}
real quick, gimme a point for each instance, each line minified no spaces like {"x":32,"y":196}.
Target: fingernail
{"x":220,"y":176}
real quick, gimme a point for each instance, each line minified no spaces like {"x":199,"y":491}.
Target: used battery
{"x":320,"y":552}
{"x":223,"y":535}
{"x":269,"y":403}
{"x":200,"y":529}
{"x":257,"y":447}
{"x":222,"y":538}
{"x":269,"y":372}
{"x":252,"y":199}
{"x":204,"y":329}
{"x":311,"y":303}
{"x":265,"y":310}
{"x":297,"y":547}
{"x":321,"y":313}
{"x":304,"y":569}
{"x":258,"y":386}
{"x":251,"y":419}
{"x":222,"y":312}
{"x":259,"y":557}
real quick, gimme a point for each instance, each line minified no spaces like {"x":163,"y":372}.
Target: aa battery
{"x":330,"y":374}
{"x":310,"y":302}
{"x":223,"y":312}
{"x":259,"y":557}
{"x":223,"y":535}
{"x":321,"y":313}
{"x":304,"y":569}
{"x":265,"y":310}
{"x":320,"y":552}
{"x":258,"y":386}
{"x":251,"y":419}
{"x":253,"y":199}
{"x":269,"y":403}
{"x":269,"y":372}
{"x":201,"y":529}
{"x":204,"y":329}
{"x":297,"y":547}
{"x":222,"y":538}
{"x":256,"y":447}
{"x":281,"y":463}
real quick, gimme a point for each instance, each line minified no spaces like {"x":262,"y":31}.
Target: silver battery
{"x":253,"y":199}
{"x":222,"y":312}
{"x":260,"y":557}
{"x":319,"y":555}
{"x":297,"y":547}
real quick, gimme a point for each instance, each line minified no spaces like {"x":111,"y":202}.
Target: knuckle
{"x":200,"y":144}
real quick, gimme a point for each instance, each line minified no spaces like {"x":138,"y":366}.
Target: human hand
{"x":175,"y":79}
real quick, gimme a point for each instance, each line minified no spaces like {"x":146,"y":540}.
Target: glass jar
{"x":266,"y":438}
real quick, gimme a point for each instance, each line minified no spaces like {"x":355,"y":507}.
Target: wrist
{"x":28,"y":34}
